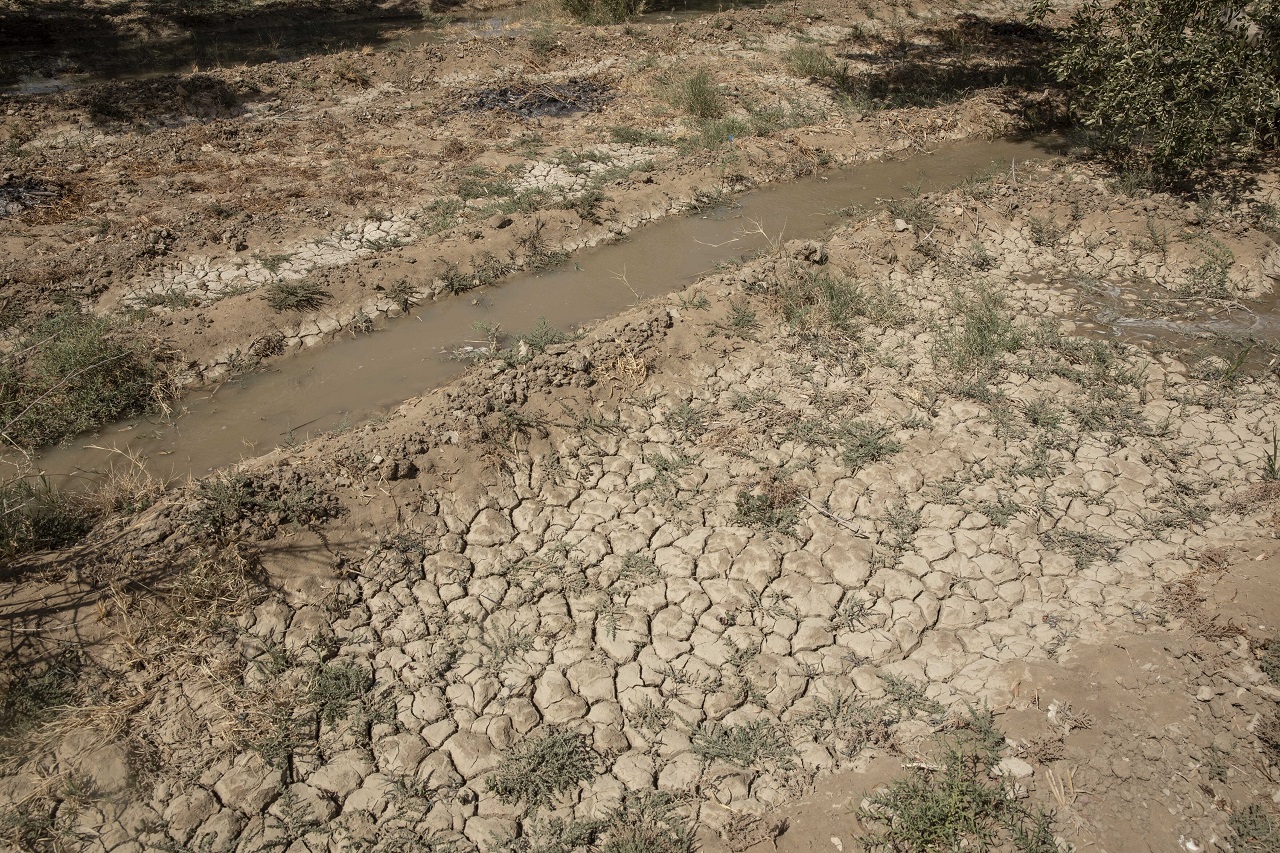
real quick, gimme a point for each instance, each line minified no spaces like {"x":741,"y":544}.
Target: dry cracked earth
{"x":718,"y":569}
{"x":735,"y":556}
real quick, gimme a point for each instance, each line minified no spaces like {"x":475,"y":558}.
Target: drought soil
{"x":729,"y":564}
{"x":728,"y":568}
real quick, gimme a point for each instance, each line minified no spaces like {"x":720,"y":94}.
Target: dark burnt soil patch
{"x":19,"y":194}
{"x":537,"y":100}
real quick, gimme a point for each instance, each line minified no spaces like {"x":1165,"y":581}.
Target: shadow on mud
{"x":43,"y":38}
{"x":952,"y":63}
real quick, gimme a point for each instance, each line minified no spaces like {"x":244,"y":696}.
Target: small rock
{"x":1015,"y":767}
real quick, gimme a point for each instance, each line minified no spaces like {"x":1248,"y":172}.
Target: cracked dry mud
{"x":753,"y":545}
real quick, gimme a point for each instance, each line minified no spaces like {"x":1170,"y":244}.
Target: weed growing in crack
{"x":335,"y":687}
{"x":851,"y":615}
{"x":667,"y":471}
{"x":845,"y":724}
{"x":1081,"y":545}
{"x":649,"y":716}
{"x":1045,"y":232}
{"x":956,"y":805}
{"x":774,"y":505}
{"x":757,"y":744}
{"x":536,"y":772}
{"x":686,"y":421}
{"x":303,"y":295}
{"x":908,"y":697}
{"x":987,"y":331}
{"x":1271,"y":460}
{"x":863,"y":442}
{"x":503,"y":644}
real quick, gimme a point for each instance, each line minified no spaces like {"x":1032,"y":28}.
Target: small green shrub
{"x":957,"y":806}
{"x":72,"y":373}
{"x":1169,"y":86}
{"x":698,"y":95}
{"x":36,"y":516}
{"x":301,"y":295}
{"x":603,"y":11}
{"x":537,"y":771}
{"x":759,"y":744}
{"x":1254,"y":830}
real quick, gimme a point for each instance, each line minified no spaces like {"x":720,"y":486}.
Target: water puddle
{"x":1146,"y":315}
{"x":355,"y":379}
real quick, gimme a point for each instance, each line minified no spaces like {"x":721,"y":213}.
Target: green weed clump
{"x":295,"y":295}
{"x":698,"y":95}
{"x":806,"y":60}
{"x":72,"y":373}
{"x":957,"y":806}
{"x":603,"y":11}
{"x":35,"y":516}
{"x":33,"y":697}
{"x":536,"y":772}
{"x":759,"y":744}
{"x":984,"y":333}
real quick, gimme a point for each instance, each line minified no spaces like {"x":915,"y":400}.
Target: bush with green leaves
{"x":603,"y":11}
{"x":1177,"y":88}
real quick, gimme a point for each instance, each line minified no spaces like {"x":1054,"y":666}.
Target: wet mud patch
{"x":163,"y":100}
{"x":538,"y":100}
{"x":1244,"y":332}
{"x":20,"y":194}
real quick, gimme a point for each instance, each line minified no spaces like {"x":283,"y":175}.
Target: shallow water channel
{"x":357,"y":378}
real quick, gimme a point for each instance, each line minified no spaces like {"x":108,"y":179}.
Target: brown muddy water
{"x":354,"y":379}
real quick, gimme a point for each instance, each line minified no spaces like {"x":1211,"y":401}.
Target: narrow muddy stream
{"x":354,"y":379}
